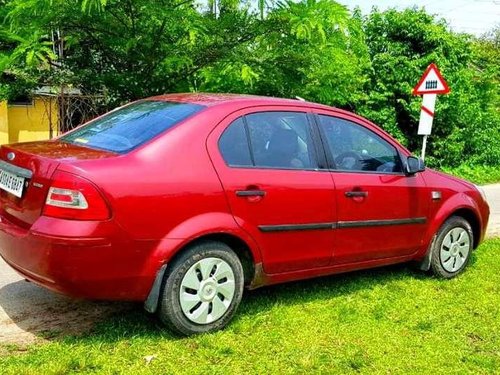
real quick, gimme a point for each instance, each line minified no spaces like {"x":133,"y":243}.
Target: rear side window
{"x":269,"y":140}
{"x":233,"y":145}
{"x":129,"y":127}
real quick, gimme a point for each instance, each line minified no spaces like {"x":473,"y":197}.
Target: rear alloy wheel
{"x":202,"y":290}
{"x":452,"y":248}
{"x":207,"y":290}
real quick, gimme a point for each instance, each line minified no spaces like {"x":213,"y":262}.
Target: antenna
{"x":299,"y":98}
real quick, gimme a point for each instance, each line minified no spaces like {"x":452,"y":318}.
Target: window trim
{"x":310,"y":130}
{"x":249,"y":139}
{"x":329,"y":157}
{"x":321,"y":156}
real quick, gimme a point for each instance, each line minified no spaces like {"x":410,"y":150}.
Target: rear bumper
{"x":93,"y":260}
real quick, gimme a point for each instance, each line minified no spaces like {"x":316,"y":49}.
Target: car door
{"x":381,"y":212}
{"x":266,"y":159}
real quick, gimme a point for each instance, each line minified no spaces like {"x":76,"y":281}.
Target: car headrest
{"x":284,"y":142}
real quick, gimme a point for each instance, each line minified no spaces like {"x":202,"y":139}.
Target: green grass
{"x":388,"y":320}
{"x":478,"y":174}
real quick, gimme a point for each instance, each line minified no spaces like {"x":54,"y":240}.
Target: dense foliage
{"x":315,"y":49}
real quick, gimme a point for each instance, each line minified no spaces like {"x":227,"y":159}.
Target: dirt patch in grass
{"x":29,"y":313}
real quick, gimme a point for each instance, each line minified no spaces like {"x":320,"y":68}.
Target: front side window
{"x":269,"y":140}
{"x":128,"y":127}
{"x":355,"y":148}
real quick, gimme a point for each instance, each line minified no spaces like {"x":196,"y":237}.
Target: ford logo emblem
{"x":11,"y":156}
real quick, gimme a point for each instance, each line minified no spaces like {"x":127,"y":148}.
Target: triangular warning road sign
{"x":432,"y":82}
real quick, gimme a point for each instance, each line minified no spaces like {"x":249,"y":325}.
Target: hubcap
{"x":455,"y":249}
{"x":207,"y":290}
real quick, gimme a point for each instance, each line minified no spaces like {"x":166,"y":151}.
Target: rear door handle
{"x":356,"y":194}
{"x":250,"y":193}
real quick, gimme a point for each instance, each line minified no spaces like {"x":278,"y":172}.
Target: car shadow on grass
{"x":138,"y":323}
{"x":54,"y":317}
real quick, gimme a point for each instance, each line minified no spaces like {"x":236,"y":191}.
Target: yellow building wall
{"x":29,"y":122}
{"x":4,"y":123}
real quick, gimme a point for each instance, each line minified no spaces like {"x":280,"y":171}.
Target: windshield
{"x":128,"y":127}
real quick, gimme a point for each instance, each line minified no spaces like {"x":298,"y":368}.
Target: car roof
{"x":212,"y":99}
{"x":243,"y":100}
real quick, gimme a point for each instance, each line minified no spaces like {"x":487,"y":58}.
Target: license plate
{"x":11,"y":183}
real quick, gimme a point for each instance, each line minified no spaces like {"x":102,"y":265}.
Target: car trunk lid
{"x":34,"y":163}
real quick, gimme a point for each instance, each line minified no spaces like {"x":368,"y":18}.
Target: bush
{"x":478,"y":174}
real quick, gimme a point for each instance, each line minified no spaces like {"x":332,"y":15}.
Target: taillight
{"x":74,"y":197}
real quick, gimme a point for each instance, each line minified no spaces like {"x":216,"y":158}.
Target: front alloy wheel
{"x":455,"y":249}
{"x":452,"y":247}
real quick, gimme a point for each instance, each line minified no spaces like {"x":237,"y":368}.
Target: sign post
{"x":430,"y":85}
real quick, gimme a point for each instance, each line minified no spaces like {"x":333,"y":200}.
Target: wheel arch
{"x":473,"y":219}
{"x":220,"y":225}
{"x":459,"y":205}
{"x":238,"y":240}
{"x":236,"y":243}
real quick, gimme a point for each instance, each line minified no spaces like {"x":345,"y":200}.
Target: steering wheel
{"x":387,"y":167}
{"x":348,"y":160}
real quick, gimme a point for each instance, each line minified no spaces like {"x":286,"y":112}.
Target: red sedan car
{"x":182,"y":201}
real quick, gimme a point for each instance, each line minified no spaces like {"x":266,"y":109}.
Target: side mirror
{"x":414,"y":165}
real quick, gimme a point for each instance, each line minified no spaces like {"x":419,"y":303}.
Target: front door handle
{"x":356,"y":194}
{"x":250,"y":193}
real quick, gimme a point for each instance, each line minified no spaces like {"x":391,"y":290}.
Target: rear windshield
{"x":130,"y":126}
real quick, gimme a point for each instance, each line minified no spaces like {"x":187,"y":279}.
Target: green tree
{"x":131,"y":49}
{"x":315,"y":49}
{"x":312,"y":49}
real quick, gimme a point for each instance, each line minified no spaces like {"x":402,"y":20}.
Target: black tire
{"x":441,"y":267}
{"x":170,"y":311}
